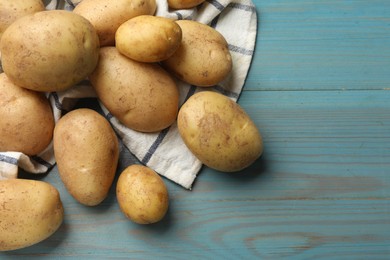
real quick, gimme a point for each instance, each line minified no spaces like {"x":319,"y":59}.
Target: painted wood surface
{"x":318,"y":89}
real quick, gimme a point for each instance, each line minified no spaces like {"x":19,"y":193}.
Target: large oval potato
{"x":203,"y":58}
{"x":30,"y":211}
{"x":219,"y":132}
{"x":11,"y":10}
{"x":49,"y":50}
{"x":26,"y":119}
{"x":86,"y":150}
{"x":107,"y":15}
{"x":148,"y":38}
{"x":142,"y":195}
{"x":142,"y":96}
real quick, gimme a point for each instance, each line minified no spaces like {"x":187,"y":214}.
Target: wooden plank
{"x":321,"y":190}
{"x":314,"y":45}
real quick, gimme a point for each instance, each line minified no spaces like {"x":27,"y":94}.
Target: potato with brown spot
{"x":26,"y":119}
{"x":219,"y":132}
{"x":107,"y":15}
{"x":203,"y":58}
{"x":49,"y":50}
{"x":142,"y":195}
{"x":142,"y":96}
{"x":30,"y":212}
{"x":148,"y":38}
{"x":11,"y":10}
{"x":86,"y":150}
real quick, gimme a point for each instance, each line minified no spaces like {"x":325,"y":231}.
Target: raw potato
{"x":219,"y":132}
{"x":203,"y":58}
{"x":86,"y":150}
{"x":107,"y":15}
{"x":11,"y":10}
{"x":184,"y":4}
{"x":26,"y":119}
{"x":49,"y":50}
{"x":142,"y":96}
{"x":30,"y":211}
{"x":148,"y":38}
{"x":142,"y":195}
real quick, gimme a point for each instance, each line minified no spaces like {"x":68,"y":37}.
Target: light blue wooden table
{"x":319,"y":90}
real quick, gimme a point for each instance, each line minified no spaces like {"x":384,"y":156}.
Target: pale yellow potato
{"x":148,"y":38}
{"x":142,"y":96}
{"x":203,"y":58}
{"x":219,"y":132}
{"x":30,"y":212}
{"x":107,"y":15}
{"x":49,"y":50}
{"x":11,"y":10}
{"x":142,"y":195}
{"x":184,"y":4}
{"x":26,"y":119}
{"x":86,"y":150}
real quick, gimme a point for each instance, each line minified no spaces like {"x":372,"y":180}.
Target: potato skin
{"x":86,"y":150}
{"x":203,"y":58}
{"x":49,"y":50}
{"x":30,"y":211}
{"x":27,"y":121}
{"x":148,"y":38}
{"x":142,"y":195}
{"x":142,"y":96}
{"x":184,"y":4}
{"x":107,"y":15}
{"x":219,"y":132}
{"x":10,"y":11}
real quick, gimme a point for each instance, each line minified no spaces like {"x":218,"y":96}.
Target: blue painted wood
{"x":318,"y":90}
{"x":327,"y":44}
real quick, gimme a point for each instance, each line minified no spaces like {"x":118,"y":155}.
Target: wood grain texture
{"x":318,"y":45}
{"x":318,"y":90}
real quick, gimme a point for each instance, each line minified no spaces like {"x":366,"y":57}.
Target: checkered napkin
{"x":164,"y":151}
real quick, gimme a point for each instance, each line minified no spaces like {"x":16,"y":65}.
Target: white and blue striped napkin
{"x":165,"y":151}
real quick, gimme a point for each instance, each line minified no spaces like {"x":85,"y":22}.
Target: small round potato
{"x":27,"y":121}
{"x":49,"y":50}
{"x":30,"y":212}
{"x":142,"y":96}
{"x":86,"y":150}
{"x":142,"y":195}
{"x":184,"y":4}
{"x":11,"y":10}
{"x":219,"y":132}
{"x":148,"y":38}
{"x":107,"y":15}
{"x":203,"y":58}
